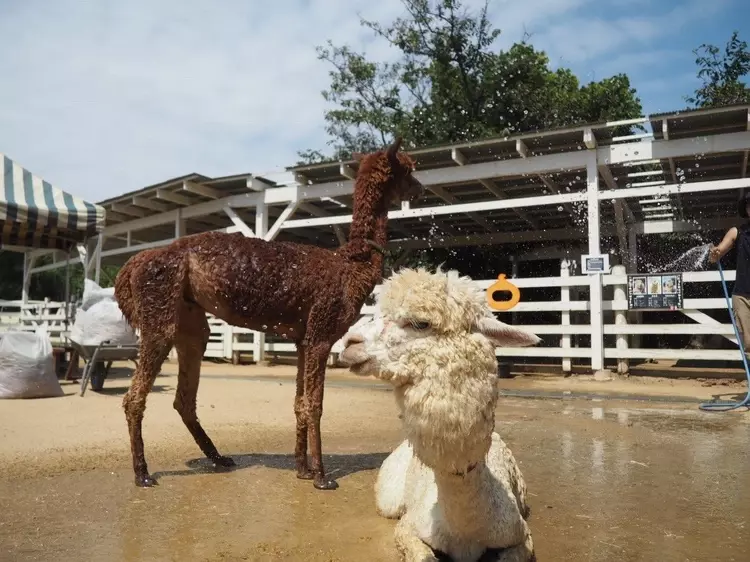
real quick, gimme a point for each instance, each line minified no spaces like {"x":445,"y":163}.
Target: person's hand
{"x":714,"y":254}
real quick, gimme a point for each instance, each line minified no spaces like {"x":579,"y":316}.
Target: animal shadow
{"x":337,"y":466}
{"x":121,"y":390}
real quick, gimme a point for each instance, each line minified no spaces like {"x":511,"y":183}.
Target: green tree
{"x":450,"y":84}
{"x":48,"y":284}
{"x":723,"y":74}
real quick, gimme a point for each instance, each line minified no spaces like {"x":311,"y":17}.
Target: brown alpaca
{"x":308,"y":294}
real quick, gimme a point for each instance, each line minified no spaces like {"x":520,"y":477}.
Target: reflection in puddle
{"x":607,"y":482}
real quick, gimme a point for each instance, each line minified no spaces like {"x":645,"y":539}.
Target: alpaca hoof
{"x":305,"y":474}
{"x":145,"y":481}
{"x":223,"y":462}
{"x":325,"y":484}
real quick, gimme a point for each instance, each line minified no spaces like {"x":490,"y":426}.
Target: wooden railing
{"x":564,"y":330}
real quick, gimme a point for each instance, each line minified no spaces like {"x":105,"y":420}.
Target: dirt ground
{"x":647,"y":478}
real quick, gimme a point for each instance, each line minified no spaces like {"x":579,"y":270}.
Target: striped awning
{"x":35,"y":214}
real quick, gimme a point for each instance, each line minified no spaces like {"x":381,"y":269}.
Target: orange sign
{"x":502,"y":284}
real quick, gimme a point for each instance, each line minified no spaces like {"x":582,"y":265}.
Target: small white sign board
{"x":598,"y":263}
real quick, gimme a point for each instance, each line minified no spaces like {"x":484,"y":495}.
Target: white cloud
{"x":109,"y":96}
{"x":105,"y":97}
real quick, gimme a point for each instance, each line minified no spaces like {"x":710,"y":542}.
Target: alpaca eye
{"x":419,"y":325}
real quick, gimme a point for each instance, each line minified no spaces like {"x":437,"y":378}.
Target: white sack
{"x":99,"y":319}
{"x":27,"y":368}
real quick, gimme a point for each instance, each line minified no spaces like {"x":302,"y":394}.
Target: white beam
{"x":665,"y":129}
{"x":609,"y":180}
{"x":594,"y":236}
{"x":150,"y":204}
{"x":257,"y":184}
{"x":261,"y":228}
{"x":460,"y":158}
{"x":204,"y":190}
{"x":665,"y":226}
{"x":128,"y":210}
{"x":537,"y":201}
{"x":58,"y":265}
{"x":193,"y":211}
{"x":137,"y":248}
{"x":692,"y":187}
{"x":239,"y":223}
{"x":28,"y":265}
{"x":180,"y":228}
{"x":452,"y":199}
{"x":347,"y":171}
{"x":554,"y":188}
{"x":499,"y":238}
{"x":662,"y":150}
{"x":589,"y":140}
{"x":172,"y":197}
{"x":98,"y":263}
{"x":316,"y":211}
{"x":459,"y":174}
{"x":522,"y":149}
{"x":285,"y":214}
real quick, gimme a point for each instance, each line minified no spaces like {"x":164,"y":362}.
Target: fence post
{"x":235,"y":352}
{"x":261,"y":228}
{"x":226,"y":340}
{"x":621,"y":319}
{"x":45,"y":313}
{"x":567,"y":366}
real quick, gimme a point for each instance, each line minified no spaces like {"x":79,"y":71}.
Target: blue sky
{"x":106,"y":97}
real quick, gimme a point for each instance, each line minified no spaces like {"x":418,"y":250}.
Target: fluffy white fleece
{"x":453,"y":483}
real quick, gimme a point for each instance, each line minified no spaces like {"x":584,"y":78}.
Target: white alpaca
{"x":453,"y":483}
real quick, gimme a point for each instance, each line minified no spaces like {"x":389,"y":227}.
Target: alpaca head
{"x":388,"y":174}
{"x":433,"y":338}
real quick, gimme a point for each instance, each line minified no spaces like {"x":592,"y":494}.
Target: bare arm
{"x":718,"y":252}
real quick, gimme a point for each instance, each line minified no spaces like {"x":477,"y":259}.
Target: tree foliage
{"x":723,"y":74}
{"x":451,"y":84}
{"x":48,"y":284}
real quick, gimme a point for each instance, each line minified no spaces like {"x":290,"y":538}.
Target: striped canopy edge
{"x":35,"y":214}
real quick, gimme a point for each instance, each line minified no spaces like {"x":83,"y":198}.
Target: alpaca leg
{"x":390,"y":485}
{"x":410,"y":546}
{"x":190,"y":342}
{"x":152,"y":354}
{"x":315,"y":372}
{"x":521,"y":553}
{"x":300,"y":412}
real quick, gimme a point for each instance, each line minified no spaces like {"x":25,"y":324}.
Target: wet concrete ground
{"x":608,"y":480}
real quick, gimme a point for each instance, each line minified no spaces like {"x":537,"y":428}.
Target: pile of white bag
{"x":27,"y":367}
{"x":99,"y":318}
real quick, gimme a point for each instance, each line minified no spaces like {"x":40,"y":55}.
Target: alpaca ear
{"x":505,"y":335}
{"x":393,"y":149}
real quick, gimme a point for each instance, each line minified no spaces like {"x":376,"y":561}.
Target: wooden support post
{"x":567,"y":366}
{"x":620,"y":294}
{"x":595,"y":295}
{"x":261,"y":229}
{"x":98,"y":258}
{"x":634,"y":317}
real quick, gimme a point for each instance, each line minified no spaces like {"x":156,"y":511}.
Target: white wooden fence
{"x":572,"y":317}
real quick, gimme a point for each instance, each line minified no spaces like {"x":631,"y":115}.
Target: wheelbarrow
{"x":98,"y":360}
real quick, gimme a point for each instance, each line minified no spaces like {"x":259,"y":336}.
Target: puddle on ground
{"x":605,"y":483}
